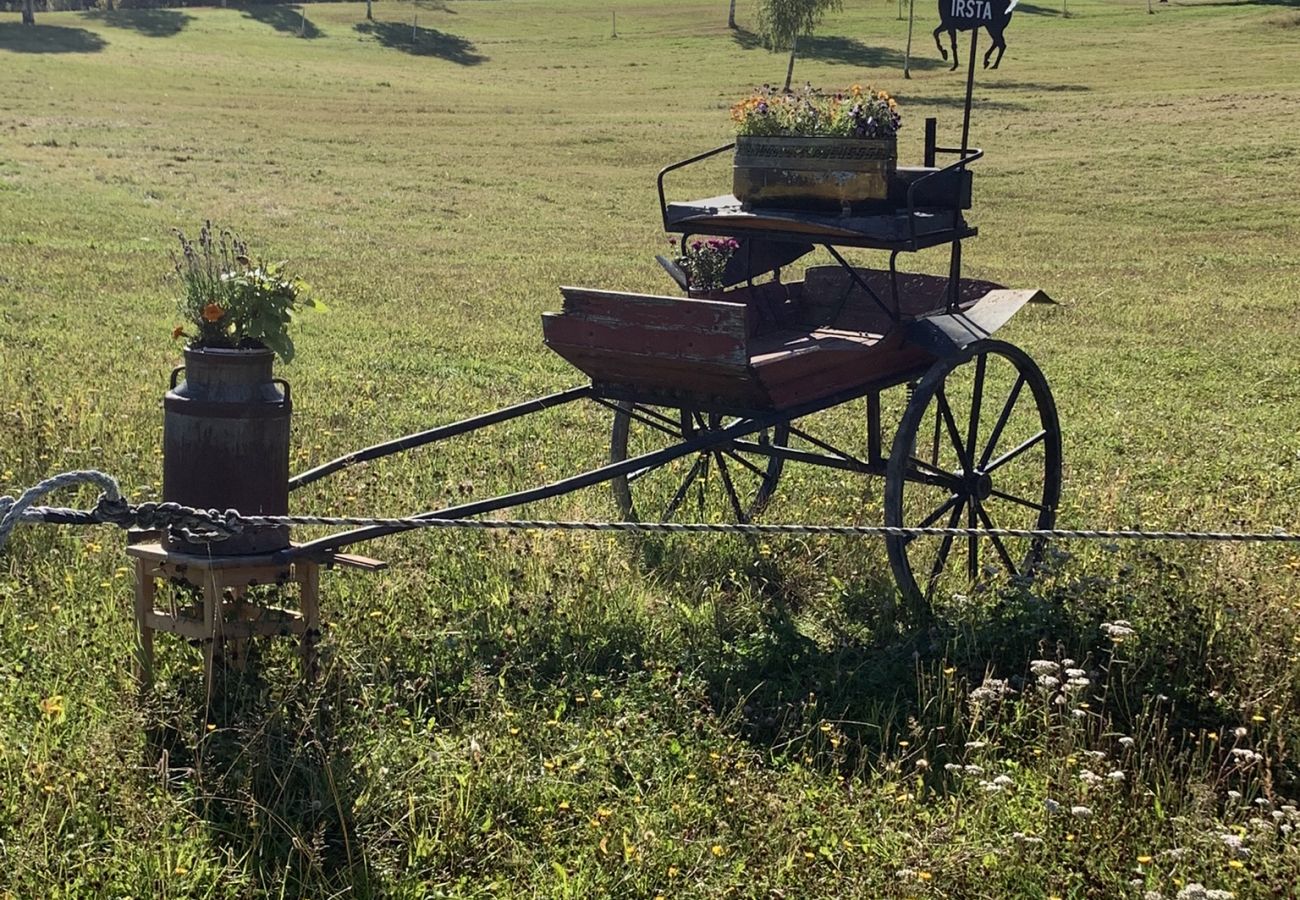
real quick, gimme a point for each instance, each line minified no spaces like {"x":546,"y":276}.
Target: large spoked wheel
{"x":731,"y":482}
{"x":979,"y":446}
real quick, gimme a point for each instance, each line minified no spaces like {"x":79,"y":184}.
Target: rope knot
{"x":114,"y":511}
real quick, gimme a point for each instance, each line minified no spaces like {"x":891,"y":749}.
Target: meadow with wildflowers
{"x":537,"y":714}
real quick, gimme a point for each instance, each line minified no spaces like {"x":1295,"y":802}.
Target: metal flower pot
{"x":819,"y":173}
{"x":226,"y":444}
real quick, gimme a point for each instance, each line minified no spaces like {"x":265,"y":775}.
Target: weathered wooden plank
{"x":656,"y":312}
{"x":635,"y":340}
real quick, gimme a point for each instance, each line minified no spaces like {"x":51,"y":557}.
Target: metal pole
{"x":970,"y":88}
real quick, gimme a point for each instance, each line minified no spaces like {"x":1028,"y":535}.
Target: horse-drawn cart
{"x":709,"y":392}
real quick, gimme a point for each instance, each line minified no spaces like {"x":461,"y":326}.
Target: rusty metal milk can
{"x":226,"y":445}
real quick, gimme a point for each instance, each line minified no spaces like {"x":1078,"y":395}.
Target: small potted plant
{"x":226,"y":426}
{"x":700,"y":266}
{"x":813,"y":150}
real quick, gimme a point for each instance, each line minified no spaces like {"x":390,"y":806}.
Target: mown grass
{"x":578,"y":715}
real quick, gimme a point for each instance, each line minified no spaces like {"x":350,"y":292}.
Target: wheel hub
{"x":978,"y":485}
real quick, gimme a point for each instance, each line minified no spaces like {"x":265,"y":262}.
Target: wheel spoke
{"x":946,"y":411}
{"x":737,"y":458}
{"x":972,"y":543}
{"x":1003,"y":495}
{"x":1012,"y":454}
{"x":997,"y":541}
{"x":1002,"y":420}
{"x":685,"y":486}
{"x":944,"y":549}
{"x":736,"y":505}
{"x":933,"y":517}
{"x":924,"y":467}
{"x":977,"y":397}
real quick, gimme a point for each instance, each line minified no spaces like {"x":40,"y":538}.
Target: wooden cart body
{"x":770,"y":346}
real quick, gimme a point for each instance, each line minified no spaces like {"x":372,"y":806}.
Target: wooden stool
{"x":223,"y":617}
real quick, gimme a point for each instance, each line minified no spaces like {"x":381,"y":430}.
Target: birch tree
{"x":783,"y":22}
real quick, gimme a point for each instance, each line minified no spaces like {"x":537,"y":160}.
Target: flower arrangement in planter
{"x":703,"y":262}
{"x":234,"y":301}
{"x":811,"y":149}
{"x":856,"y":113}
{"x":226,"y":426}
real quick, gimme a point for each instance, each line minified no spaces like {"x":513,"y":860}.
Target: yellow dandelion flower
{"x":604,"y":813}
{"x":1144,"y":860}
{"x":924,"y":876}
{"x":672,"y":871}
{"x":825,"y":727}
{"x":52,"y":706}
{"x":1258,"y":718}
{"x":597,"y":695}
{"x":1236,"y":864}
{"x":808,"y":854}
{"x":717,"y":850}
{"x":564,"y":804}
{"x":950,"y":670}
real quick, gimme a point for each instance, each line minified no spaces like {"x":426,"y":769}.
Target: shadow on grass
{"x":421,"y":41}
{"x":1030,"y":9}
{"x":265,"y":769}
{"x":1046,"y":87}
{"x":19,"y":38}
{"x":849,"y":51}
{"x":284,"y":19}
{"x":157,"y":23}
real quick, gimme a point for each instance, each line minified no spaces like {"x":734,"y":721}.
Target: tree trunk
{"x":789,"y":71}
{"x":907,"y":57}
{"x":29,"y":12}
{"x":731,"y":15}
{"x":370,"y":16}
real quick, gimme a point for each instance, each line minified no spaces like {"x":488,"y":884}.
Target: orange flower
{"x":178,"y":331}
{"x":212,"y":312}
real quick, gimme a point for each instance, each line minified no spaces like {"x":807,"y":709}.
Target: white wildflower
{"x":1078,"y":713}
{"x":1118,"y":630}
{"x":974,"y":770}
{"x":1004,"y":781}
{"x":1239,"y":732}
{"x":1067,"y":662}
{"x":1075,"y":673}
{"x":1127,"y":742}
{"x":1115,"y":775}
{"x":975,"y":745}
{"x":991,"y":691}
{"x":1081,"y":812}
{"x":1052,"y":806}
{"x":1236,"y":846}
{"x":951,"y":767}
{"x":1234,"y":796}
{"x":1088,"y":777}
{"x":1044,"y":667}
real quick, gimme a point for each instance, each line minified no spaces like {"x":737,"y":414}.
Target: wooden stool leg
{"x":308,"y":576}
{"x":145,"y":590}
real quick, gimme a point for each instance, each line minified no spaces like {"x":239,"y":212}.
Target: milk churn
{"x":226,"y":444}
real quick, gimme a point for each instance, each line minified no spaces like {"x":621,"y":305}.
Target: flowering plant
{"x":233,"y":300}
{"x":808,"y":112}
{"x":703,"y":262}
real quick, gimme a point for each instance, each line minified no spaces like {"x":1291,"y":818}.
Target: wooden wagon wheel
{"x":979,"y":446}
{"x":726,"y":483}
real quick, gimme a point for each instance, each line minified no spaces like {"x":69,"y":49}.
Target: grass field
{"x":579,"y":715}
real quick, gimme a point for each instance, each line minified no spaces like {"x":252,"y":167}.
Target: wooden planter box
{"x":825,"y":173}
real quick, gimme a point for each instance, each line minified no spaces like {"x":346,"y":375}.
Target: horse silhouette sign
{"x":968,"y":15}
